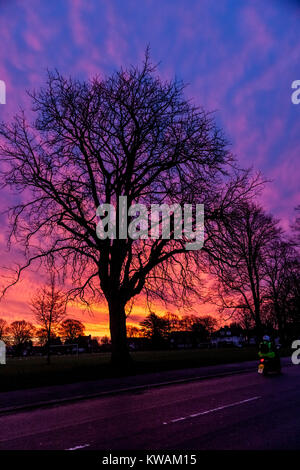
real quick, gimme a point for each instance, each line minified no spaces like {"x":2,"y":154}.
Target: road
{"x":245,"y":411}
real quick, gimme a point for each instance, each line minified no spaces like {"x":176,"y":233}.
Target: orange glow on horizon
{"x":16,"y":306}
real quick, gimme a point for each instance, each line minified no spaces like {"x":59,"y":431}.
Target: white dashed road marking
{"x":194,"y":415}
{"x":79,"y":447}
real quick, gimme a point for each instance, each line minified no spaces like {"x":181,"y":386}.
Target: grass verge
{"x":30,"y":372}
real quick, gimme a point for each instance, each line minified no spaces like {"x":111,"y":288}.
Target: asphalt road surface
{"x":245,"y":411}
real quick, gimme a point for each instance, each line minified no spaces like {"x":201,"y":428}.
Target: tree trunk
{"x":48,"y":347}
{"x":279,"y":324}
{"x":117,"y":321}
{"x":258,"y":323}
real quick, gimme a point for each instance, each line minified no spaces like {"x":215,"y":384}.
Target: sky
{"x":238,"y":59}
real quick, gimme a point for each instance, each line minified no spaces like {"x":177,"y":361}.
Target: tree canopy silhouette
{"x":49,"y":308}
{"x":70,"y":329}
{"x":239,"y":257}
{"x":132,"y":135}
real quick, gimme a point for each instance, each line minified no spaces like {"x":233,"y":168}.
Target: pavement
{"x":13,"y":401}
{"x":237,"y":411}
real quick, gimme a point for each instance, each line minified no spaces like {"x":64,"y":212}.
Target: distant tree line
{"x":158,"y":330}
{"x":21,"y":333}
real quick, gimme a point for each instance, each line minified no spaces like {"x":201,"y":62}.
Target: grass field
{"x":34,"y":372}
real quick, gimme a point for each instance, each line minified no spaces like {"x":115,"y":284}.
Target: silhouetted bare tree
{"x":21,"y":332}
{"x":128,"y":135}
{"x":155,"y":328}
{"x":282,"y":270}
{"x":238,"y":260}
{"x":172,"y":321}
{"x":201,"y":327}
{"x":70,"y":329}
{"x":3,"y":328}
{"x":49,"y":307}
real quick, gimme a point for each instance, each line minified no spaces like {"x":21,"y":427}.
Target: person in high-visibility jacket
{"x":267,"y":348}
{"x":269,"y":351}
